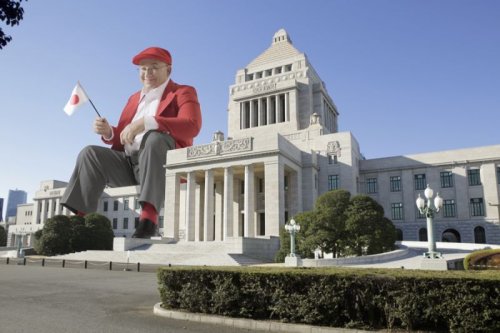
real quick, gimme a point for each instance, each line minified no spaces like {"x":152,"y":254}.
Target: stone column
{"x":36,"y":212}
{"x":208,"y":214}
{"x":276,"y":109}
{"x":275,"y":196}
{"x":58,"y":206}
{"x":287,"y":114}
{"x":199,"y":212}
{"x":218,"y":211}
{"x":228,"y":204}
{"x":43,"y":214}
{"x":237,"y":229}
{"x":249,"y":201}
{"x":268,"y":109}
{"x":172,"y":196}
{"x":190,"y":206}
{"x":50,"y":209}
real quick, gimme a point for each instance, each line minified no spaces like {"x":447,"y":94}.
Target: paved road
{"x":48,"y":299}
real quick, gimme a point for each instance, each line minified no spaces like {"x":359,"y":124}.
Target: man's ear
{"x":169,"y":69}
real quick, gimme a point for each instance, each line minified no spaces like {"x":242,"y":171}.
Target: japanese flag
{"x":78,"y":97}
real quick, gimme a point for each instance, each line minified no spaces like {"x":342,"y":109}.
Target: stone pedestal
{"x":295,"y":261}
{"x":434,"y":264}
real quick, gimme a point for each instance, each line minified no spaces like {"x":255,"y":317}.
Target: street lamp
{"x":429,"y":210}
{"x":292,"y":228}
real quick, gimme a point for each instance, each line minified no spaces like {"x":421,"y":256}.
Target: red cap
{"x":153,"y":53}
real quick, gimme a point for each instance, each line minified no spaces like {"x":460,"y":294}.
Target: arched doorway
{"x":479,"y":235}
{"x":451,"y":236}
{"x":399,"y":235}
{"x":422,"y":235}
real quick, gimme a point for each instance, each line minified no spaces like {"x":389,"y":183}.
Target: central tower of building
{"x":279,"y":91}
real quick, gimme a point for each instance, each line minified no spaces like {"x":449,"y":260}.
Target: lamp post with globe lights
{"x":429,"y":210}
{"x":292,"y":228}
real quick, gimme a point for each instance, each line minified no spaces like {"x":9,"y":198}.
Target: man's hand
{"x":102,"y":127}
{"x":131,"y":130}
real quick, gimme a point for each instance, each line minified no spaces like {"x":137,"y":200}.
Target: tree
{"x":12,"y":13}
{"x":56,"y":236}
{"x":328,"y":229}
{"x":369,"y":231}
{"x":61,"y":234}
{"x":3,"y":237}
{"x":100,"y":232}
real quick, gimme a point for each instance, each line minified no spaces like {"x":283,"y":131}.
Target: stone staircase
{"x":200,"y":254}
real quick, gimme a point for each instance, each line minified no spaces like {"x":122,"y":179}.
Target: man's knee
{"x":88,"y":152}
{"x":155,"y":139}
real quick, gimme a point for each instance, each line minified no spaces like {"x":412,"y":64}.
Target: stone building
{"x":282,"y":151}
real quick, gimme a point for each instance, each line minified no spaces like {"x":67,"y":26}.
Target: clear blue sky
{"x":406,"y":76}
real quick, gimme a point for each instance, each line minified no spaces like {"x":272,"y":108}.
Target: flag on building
{"x":77,"y":99}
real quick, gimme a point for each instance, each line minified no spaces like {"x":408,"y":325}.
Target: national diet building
{"x":281,"y":151}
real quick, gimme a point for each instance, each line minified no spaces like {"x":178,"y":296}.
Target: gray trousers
{"x":98,"y":167}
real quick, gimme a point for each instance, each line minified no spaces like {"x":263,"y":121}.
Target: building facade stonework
{"x":282,"y":151}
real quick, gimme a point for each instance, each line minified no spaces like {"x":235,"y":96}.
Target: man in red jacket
{"x":162,"y":116}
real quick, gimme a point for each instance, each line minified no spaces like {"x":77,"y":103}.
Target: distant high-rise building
{"x":1,"y":209}
{"x":16,"y":197}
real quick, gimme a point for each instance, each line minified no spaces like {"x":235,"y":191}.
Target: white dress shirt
{"x":148,"y":105}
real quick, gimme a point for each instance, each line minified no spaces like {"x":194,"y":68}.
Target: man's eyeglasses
{"x":152,"y":69}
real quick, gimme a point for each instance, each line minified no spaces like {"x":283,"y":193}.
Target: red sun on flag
{"x":74,"y":99}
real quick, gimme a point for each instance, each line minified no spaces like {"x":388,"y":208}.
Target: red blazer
{"x":178,"y":114}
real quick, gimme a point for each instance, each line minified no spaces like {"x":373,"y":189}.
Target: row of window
{"x":449,"y":235}
{"x":125,"y":223}
{"x":116,"y":204}
{"x":449,"y":209}
{"x":268,"y":72}
{"x":420,"y":181}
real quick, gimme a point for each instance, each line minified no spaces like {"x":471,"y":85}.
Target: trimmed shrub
{"x":3,"y":236}
{"x":62,"y":234}
{"x":339,"y":297}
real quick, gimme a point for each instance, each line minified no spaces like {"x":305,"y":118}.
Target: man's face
{"x":153,"y":73}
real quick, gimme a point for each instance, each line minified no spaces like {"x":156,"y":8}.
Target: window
{"x":498,"y":174}
{"x":397,"y":211}
{"x":136,"y":222}
{"x":474,"y":177}
{"x":422,"y":235}
{"x":446,"y":179}
{"x":115,"y":205}
{"x":160,"y":221}
{"x":125,"y":204}
{"x":420,"y":182}
{"x":125,"y":223}
{"x":395,"y":183}
{"x":371,"y":185}
{"x":449,"y":208}
{"x":277,"y":70}
{"x":332,"y":159}
{"x":479,"y":235}
{"x":476,"y":207}
{"x":105,"y":206}
{"x":333,"y":182}
{"x":269,"y":72}
{"x":115,"y":223}
{"x":137,"y":204}
{"x":419,"y":214}
{"x":288,"y":68}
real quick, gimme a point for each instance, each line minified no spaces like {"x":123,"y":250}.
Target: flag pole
{"x":90,"y":100}
{"x":94,"y":107}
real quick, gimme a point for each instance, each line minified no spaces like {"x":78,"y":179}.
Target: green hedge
{"x":339,"y":297}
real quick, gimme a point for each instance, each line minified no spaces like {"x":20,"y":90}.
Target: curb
{"x":261,"y":325}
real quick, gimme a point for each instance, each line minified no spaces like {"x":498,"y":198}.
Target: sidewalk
{"x":51,"y":299}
